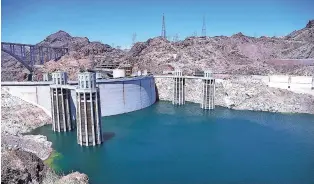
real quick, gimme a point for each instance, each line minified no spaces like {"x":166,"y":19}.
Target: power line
{"x":176,"y":37}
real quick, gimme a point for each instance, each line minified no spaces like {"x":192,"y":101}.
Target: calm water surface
{"x":166,"y":144}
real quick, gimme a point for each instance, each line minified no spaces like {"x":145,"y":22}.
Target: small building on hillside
{"x":167,"y":69}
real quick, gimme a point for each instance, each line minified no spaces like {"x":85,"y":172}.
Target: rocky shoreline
{"x":23,"y":155}
{"x":243,"y":93}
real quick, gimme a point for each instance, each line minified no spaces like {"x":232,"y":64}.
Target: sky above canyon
{"x":114,"y":22}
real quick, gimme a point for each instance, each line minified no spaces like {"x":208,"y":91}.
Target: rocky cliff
{"x":21,"y":167}
{"x":18,"y":166}
{"x":22,"y":155}
{"x":243,"y":93}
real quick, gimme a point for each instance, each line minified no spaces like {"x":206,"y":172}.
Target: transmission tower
{"x":204,"y":27}
{"x":176,"y":37}
{"x":163,"y":30}
{"x":133,"y":38}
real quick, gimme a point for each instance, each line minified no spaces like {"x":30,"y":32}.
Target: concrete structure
{"x":290,"y":82}
{"x":128,"y":69}
{"x":178,"y":88}
{"x":300,"y":82}
{"x":208,"y":91}
{"x":145,"y":72}
{"x":118,"y":96}
{"x":118,"y":73}
{"x":60,"y":104}
{"x":47,"y":77}
{"x":88,"y":111}
{"x":198,"y":73}
{"x":99,"y":75}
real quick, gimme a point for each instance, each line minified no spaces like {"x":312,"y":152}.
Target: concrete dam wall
{"x":293,"y":82}
{"x":117,"y":96}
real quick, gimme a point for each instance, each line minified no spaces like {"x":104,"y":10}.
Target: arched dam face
{"x":117,"y":96}
{"x":185,"y":144}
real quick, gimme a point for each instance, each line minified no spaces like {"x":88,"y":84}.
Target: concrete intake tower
{"x":88,"y":113}
{"x":178,"y":88}
{"x":208,"y":91}
{"x":60,"y":95}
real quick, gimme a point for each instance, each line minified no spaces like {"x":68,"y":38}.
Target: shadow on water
{"x":108,"y":135}
{"x":157,"y":93}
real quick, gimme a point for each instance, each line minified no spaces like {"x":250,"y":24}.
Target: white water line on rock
{"x":28,"y":101}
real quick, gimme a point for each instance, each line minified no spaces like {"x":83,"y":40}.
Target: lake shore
{"x":18,"y":119}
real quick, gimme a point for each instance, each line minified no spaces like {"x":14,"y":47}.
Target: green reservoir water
{"x":181,"y":145}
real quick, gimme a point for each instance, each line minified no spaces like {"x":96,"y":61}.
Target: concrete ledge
{"x":186,"y":77}
{"x":47,"y":83}
{"x":26,"y":83}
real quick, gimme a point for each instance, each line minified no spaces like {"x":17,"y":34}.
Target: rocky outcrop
{"x":81,"y":45}
{"x":11,"y":69}
{"x":21,"y":167}
{"x":243,"y":93}
{"x":246,"y":93}
{"x":81,"y":54}
{"x":37,"y":144}
{"x":18,"y":166}
{"x":305,"y":34}
{"x":18,"y":116}
{"x":74,"y":178}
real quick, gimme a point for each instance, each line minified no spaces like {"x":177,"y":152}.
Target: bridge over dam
{"x":31,"y":55}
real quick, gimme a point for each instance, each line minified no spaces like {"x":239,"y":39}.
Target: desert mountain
{"x":237,"y":54}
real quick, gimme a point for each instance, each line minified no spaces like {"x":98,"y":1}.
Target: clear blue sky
{"x":30,"y":21}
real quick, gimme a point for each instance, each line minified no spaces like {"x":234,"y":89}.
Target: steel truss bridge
{"x":31,"y":55}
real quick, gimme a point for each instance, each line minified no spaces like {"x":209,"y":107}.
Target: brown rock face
{"x":76,"y":177}
{"x":21,"y":167}
{"x":310,"y":24}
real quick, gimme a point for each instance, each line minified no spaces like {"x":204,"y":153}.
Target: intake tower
{"x":60,"y":95}
{"x":88,"y":113}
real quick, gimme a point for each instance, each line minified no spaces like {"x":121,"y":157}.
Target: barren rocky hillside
{"x":237,"y":54}
{"x":81,"y":53}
